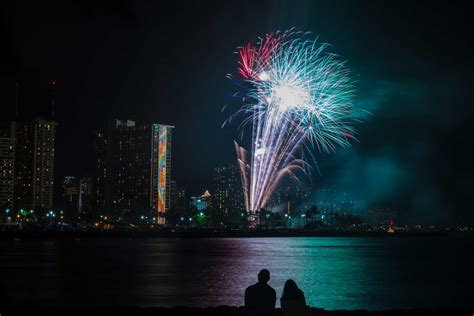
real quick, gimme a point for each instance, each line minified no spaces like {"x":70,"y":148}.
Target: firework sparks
{"x":299,"y":96}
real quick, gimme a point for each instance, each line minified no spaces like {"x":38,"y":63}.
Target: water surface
{"x":334,"y":273}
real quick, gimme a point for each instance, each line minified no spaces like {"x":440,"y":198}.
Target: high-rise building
{"x":77,"y":197}
{"x":173,"y":195}
{"x":177,"y":197}
{"x":7,"y":168}
{"x":227,"y":189}
{"x":133,"y":170}
{"x":85,"y":197}
{"x":71,"y":196}
{"x":290,"y":196}
{"x":34,"y":164}
{"x":181,"y":201}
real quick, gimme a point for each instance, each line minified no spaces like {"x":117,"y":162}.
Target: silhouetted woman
{"x":293,"y":302}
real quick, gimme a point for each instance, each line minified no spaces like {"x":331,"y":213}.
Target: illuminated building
{"x":85,"y":197}
{"x":290,"y":196}
{"x":34,"y":164}
{"x":161,"y":176}
{"x":201,"y":202}
{"x":227,"y":189}
{"x":71,"y":196}
{"x":7,"y":168}
{"x":77,"y":197}
{"x":173,"y":194}
{"x":177,"y":197}
{"x":133,"y":171}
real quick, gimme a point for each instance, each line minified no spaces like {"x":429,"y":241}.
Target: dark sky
{"x":166,"y":63}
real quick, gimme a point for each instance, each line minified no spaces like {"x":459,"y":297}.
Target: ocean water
{"x":334,"y":273}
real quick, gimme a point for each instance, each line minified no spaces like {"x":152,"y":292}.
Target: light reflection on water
{"x":334,"y":273}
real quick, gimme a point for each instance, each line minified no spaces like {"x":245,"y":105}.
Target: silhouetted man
{"x":260,"y":298}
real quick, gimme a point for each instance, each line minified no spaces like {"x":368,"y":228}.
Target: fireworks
{"x":298,"y":96}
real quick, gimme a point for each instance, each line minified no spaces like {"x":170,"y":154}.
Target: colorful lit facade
{"x":161,"y":170}
{"x":133,"y":172}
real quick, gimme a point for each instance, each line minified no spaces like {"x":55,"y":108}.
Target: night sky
{"x":166,"y":63}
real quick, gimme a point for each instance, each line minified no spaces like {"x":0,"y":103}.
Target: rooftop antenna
{"x":53,"y":86}
{"x":17,"y":100}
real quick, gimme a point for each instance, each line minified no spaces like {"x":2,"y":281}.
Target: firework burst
{"x":298,"y":96}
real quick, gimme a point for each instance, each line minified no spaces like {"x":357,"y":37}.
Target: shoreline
{"x":218,"y":234}
{"x":209,"y":311}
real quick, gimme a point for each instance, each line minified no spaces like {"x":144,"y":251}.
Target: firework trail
{"x":298,"y":96}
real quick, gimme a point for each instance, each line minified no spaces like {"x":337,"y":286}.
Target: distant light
{"x":53,"y":82}
{"x":201,"y":213}
{"x":182,"y":218}
{"x":7,"y":210}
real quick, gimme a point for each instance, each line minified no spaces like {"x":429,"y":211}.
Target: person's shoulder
{"x":251,"y":287}
{"x":270,"y":289}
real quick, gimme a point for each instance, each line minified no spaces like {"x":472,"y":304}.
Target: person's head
{"x":290,"y":290}
{"x":263,"y":276}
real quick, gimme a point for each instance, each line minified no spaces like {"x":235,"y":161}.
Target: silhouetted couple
{"x":260,"y":298}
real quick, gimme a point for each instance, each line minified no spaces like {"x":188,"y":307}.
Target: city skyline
{"x":417,"y":124}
